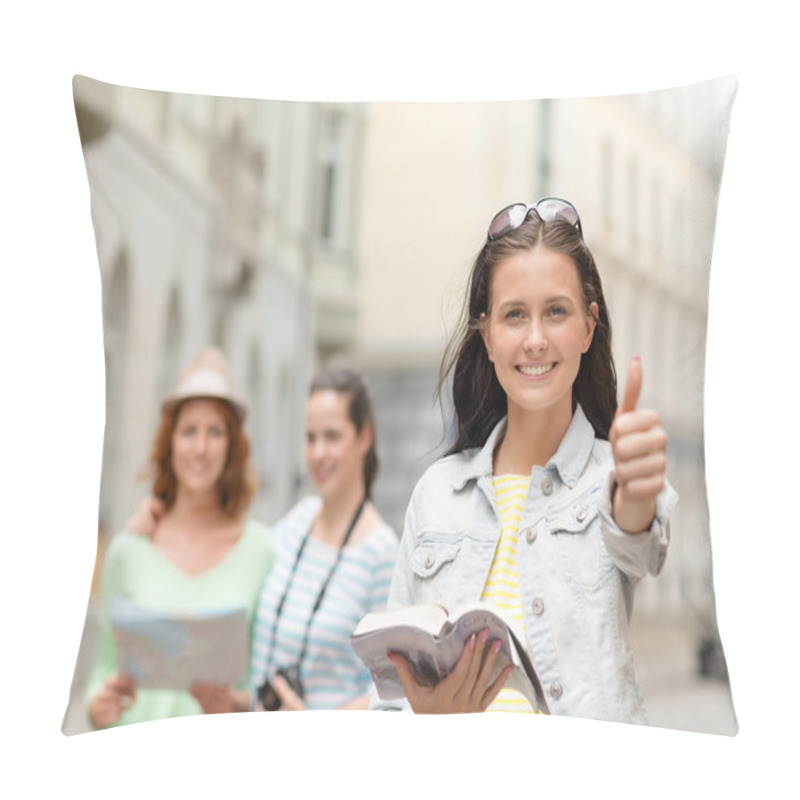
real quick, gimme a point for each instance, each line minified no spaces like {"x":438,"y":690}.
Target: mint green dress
{"x":134,"y":569}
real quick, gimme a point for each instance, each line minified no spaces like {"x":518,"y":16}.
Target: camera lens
{"x":268,"y":697}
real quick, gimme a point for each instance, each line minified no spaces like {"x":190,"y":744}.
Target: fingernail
{"x":637,"y":358}
{"x":471,"y":642}
{"x":496,"y":646}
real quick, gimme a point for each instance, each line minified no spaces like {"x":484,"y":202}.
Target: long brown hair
{"x":479,"y":400}
{"x":236,"y":485}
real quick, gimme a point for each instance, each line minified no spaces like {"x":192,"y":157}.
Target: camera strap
{"x":320,"y":595}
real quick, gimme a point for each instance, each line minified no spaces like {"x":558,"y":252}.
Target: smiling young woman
{"x":334,"y":563}
{"x":552,"y":502}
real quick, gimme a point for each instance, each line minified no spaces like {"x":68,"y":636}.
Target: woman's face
{"x":199,"y":446}
{"x":537,"y":329}
{"x":335,"y":451}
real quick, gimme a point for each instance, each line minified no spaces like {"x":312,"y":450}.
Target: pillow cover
{"x":287,"y":233}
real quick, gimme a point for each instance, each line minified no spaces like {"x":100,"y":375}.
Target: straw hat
{"x":207,"y":375}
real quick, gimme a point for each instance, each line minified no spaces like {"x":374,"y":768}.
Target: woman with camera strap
{"x":335,"y":557}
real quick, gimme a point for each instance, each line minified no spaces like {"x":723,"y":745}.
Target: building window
{"x":171,"y":363}
{"x":327,"y":229}
{"x":545,"y":148}
{"x":333,"y":178}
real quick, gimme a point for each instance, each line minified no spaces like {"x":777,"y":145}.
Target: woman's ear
{"x":591,"y":324}
{"x":365,"y":438}
{"x":484,"y":329}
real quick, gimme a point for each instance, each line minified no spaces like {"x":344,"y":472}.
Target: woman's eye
{"x":514,"y":314}
{"x":557,"y":311}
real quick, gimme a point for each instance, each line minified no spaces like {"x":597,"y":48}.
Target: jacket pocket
{"x":430,"y":556}
{"x":576,"y":533}
{"x":450,"y":566}
{"x":436,"y":566}
{"x":576,"y":518}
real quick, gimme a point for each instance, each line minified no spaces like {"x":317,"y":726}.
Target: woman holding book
{"x":552,"y":502}
{"x":203,"y":552}
{"x":335,"y":556}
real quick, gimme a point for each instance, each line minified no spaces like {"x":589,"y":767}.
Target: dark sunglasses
{"x":548,"y":208}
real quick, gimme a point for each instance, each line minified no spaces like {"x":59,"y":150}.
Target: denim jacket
{"x":577,"y":569}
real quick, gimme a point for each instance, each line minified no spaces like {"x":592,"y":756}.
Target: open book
{"x":172,"y":651}
{"x":432,"y":640}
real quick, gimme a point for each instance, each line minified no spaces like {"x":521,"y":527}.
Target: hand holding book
{"x":467,"y":688}
{"x":447,"y":661}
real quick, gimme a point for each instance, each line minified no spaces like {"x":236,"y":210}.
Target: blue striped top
{"x":331,"y":673}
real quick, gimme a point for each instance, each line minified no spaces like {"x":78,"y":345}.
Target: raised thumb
{"x":633,"y":386}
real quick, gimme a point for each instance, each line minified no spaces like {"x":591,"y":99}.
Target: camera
{"x":269,"y":697}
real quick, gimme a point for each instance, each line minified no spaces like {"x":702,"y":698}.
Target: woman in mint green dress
{"x":204,"y":553}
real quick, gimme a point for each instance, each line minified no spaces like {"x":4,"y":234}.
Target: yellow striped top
{"x":502,"y":584}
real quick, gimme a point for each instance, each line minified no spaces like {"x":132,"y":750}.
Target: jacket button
{"x":538,"y":606}
{"x":547,"y":486}
{"x":429,"y":561}
{"x":556,"y":690}
{"x":582,"y":512}
{"x":530,"y":535}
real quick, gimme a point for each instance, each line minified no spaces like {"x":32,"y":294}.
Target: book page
{"x":428,"y":617}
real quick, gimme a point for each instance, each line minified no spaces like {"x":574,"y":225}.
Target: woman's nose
{"x":535,"y":338}
{"x":316,"y":449}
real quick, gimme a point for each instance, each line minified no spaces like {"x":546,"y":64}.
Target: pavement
{"x":677,"y":694}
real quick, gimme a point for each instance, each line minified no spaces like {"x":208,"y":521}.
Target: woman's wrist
{"x":631,"y":516}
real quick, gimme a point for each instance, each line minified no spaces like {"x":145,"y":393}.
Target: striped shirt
{"x":502,"y":584}
{"x":331,"y":673}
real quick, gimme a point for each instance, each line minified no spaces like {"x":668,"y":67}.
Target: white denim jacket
{"x":577,"y":569}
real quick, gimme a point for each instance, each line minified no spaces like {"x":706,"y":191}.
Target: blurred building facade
{"x":291,"y":233}
{"x":218,"y":221}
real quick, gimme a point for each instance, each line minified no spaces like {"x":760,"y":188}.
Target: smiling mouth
{"x":199,"y":468}
{"x":537,"y":371}
{"x":322,"y":475}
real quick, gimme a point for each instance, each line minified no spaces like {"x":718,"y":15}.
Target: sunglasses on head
{"x":548,"y":208}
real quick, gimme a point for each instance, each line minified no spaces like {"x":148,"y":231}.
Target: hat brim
{"x":238,"y":407}
{"x":207,"y":384}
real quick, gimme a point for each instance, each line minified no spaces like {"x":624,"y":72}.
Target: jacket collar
{"x":569,"y":460}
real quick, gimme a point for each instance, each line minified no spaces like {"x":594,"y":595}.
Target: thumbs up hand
{"x":639,"y":446}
